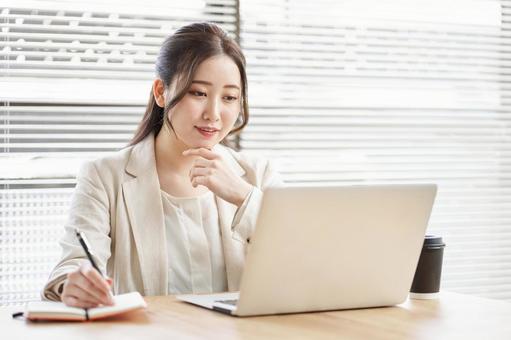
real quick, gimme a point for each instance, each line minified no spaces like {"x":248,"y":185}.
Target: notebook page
{"x":49,"y":310}
{"x":122,"y":303}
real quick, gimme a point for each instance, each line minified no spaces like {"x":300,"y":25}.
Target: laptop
{"x":329,"y":248}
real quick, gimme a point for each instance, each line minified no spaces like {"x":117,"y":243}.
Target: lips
{"x":207,"y":131}
{"x":207,"y":128}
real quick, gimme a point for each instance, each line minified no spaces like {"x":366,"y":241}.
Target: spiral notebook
{"x":58,"y":311}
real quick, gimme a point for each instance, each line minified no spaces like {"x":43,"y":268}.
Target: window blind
{"x":341,"y":92}
{"x":75,"y":79}
{"x":356,"y":92}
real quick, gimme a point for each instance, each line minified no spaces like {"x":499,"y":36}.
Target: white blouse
{"x":194,"y":246}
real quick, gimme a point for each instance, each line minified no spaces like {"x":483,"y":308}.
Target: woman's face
{"x":211,"y":106}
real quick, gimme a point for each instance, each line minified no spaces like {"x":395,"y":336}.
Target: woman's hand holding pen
{"x":210,"y":170}
{"x":86,"y":288}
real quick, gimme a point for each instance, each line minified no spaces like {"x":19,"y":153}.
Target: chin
{"x":203,"y":144}
{"x":207,"y":143}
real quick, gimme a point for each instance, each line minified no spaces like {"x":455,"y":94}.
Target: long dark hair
{"x":179,"y":57}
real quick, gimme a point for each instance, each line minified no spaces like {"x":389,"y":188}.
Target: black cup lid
{"x":433,"y":241}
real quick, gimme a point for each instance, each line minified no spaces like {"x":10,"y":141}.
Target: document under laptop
{"x":329,"y":248}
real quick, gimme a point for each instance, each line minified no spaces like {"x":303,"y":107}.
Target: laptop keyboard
{"x":228,"y":302}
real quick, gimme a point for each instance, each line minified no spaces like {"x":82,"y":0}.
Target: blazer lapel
{"x":233,"y":248}
{"x":145,"y":211}
{"x":226,"y":210}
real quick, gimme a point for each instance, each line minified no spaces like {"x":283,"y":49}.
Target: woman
{"x":174,"y":211}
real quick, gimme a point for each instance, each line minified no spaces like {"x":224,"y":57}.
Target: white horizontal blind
{"x":75,"y":79}
{"x":405,"y":92}
{"x":347,"y":92}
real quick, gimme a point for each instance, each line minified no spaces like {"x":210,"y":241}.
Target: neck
{"x":169,"y":153}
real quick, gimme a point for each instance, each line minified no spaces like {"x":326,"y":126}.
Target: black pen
{"x":83,"y":241}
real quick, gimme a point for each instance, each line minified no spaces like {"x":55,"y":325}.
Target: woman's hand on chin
{"x":210,"y":170}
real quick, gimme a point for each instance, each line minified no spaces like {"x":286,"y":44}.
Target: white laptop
{"x":329,"y":248}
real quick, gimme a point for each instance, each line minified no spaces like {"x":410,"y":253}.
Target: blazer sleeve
{"x":245,"y":217}
{"x":89,"y":212}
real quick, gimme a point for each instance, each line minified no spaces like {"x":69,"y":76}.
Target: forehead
{"x":219,"y":70}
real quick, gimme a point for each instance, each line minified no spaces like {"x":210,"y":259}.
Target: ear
{"x":159,"y":92}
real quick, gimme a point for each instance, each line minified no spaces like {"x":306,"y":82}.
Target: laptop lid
{"x":327,"y":248}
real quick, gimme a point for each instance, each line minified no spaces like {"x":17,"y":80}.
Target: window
{"x":74,"y":82}
{"x":339,"y":94}
{"x":353,"y":92}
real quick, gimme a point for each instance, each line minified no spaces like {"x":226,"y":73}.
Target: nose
{"x":213,"y":109}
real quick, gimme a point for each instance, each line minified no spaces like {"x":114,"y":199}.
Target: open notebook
{"x":48,"y":310}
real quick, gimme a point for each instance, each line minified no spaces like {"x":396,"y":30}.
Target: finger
{"x":203,"y":152}
{"x":202,"y":163}
{"x":73,"y":301}
{"x":201,"y":180}
{"x":81,"y":295}
{"x":95,"y":277}
{"x":99,"y":285}
{"x":93,"y":292}
{"x":194,"y":172}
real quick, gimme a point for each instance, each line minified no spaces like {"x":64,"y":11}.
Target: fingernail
{"x":110,"y":299}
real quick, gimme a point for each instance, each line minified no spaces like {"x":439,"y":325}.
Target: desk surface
{"x":452,"y":316}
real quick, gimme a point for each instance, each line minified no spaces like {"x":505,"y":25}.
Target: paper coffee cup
{"x":426,"y":282}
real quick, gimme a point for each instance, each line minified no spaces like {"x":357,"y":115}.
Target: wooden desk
{"x":452,"y":316}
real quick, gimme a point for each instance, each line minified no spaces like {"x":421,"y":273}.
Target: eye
{"x":230,"y":98}
{"x":197,"y":93}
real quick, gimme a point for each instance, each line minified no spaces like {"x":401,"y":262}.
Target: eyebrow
{"x":210,"y":84}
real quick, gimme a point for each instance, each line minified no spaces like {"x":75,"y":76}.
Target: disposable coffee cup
{"x":426,"y":282}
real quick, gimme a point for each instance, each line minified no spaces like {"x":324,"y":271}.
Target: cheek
{"x":185,"y":111}
{"x":191,"y":106}
{"x":230,"y":116}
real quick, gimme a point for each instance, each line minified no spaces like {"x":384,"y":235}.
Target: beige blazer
{"x":117,"y":204}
